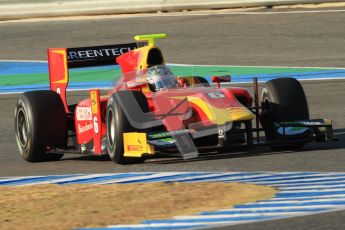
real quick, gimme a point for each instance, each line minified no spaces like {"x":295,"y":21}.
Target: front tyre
{"x":283,"y":99}
{"x":40,"y":125}
{"x":117,"y":124}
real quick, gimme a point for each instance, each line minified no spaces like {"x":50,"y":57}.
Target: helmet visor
{"x":161,"y":77}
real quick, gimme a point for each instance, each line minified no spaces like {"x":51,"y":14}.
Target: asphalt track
{"x":307,"y":39}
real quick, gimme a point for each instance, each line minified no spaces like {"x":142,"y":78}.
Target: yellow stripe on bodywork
{"x":220,"y":116}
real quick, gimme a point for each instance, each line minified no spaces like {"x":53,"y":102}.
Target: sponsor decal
{"x":316,"y":122}
{"x":94,"y":102}
{"x":97,"y":52}
{"x":311,"y":123}
{"x":216,"y":94}
{"x":292,"y":130}
{"x":220,"y":133}
{"x":163,"y":142}
{"x":179,"y":132}
{"x":84,"y":128}
{"x":98,"y":55}
{"x":168,"y":134}
{"x":84,"y":114}
{"x":135,"y":148}
{"x":95,"y":125}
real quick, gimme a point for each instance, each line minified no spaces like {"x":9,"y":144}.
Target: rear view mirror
{"x":219,"y":79}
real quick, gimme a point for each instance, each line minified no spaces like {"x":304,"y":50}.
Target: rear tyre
{"x":40,"y":125}
{"x":283,"y":99}
{"x":117,"y":124}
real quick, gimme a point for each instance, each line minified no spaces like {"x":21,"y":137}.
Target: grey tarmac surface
{"x":311,"y":39}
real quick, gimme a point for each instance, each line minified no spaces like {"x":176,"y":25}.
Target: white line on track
{"x":251,"y":178}
{"x":20,"y":178}
{"x":160,"y":175}
{"x":299,"y":201}
{"x":313,"y":190}
{"x":83,"y":177}
{"x":312,"y":186}
{"x":231,"y":176}
{"x":196,"y":217}
{"x":213,"y":177}
{"x":280,"y":177}
{"x":339,"y":133}
{"x":280,"y":208}
{"x":162,"y":225}
{"x":148,"y":225}
{"x":277,"y":183}
{"x":173,"y":14}
{"x":308,"y":197}
{"x":342,"y":180}
{"x":275,"y":12}
{"x":225,"y":223}
{"x":38,"y":61}
{"x":68,"y":90}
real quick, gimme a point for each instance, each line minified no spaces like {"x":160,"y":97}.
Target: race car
{"x":149,"y":110}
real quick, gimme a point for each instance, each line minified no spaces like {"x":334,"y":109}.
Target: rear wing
{"x":60,"y":60}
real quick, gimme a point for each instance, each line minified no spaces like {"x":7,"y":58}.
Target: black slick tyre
{"x":283,"y":99}
{"x":40,"y":125}
{"x":117,"y":124}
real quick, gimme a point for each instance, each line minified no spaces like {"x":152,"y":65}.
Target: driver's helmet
{"x":160,"y":77}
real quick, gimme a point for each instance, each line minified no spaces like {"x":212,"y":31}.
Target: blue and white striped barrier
{"x":300,"y":193}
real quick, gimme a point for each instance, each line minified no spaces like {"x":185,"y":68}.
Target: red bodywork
{"x":89,"y":114}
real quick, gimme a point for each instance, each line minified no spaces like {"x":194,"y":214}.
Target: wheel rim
{"x":110,"y":129}
{"x":22,"y":127}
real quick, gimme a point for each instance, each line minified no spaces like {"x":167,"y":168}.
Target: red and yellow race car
{"x":150,"y":110}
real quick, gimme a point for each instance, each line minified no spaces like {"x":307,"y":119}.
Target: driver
{"x":160,"y":77}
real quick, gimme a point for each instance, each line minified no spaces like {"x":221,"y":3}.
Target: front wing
{"x":140,"y":144}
